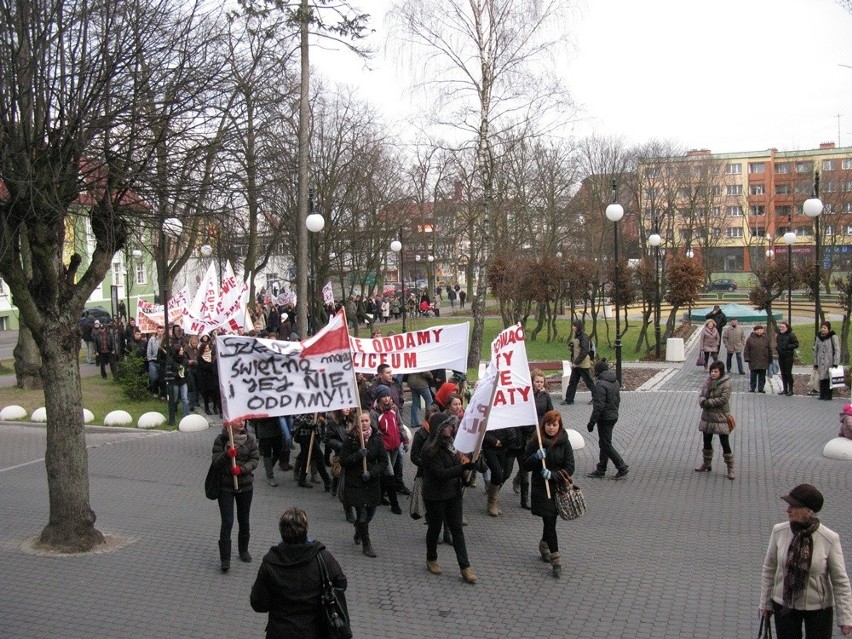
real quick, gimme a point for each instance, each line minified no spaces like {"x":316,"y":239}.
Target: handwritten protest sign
{"x":150,"y":316}
{"x":436,"y":347}
{"x":472,"y":425}
{"x":265,"y":378}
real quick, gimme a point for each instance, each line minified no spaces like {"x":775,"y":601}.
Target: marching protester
{"x":361,"y":488}
{"x":543,"y":405}
{"x":826,"y":355}
{"x":580,"y":348}
{"x":208,"y":374}
{"x":494,"y":448}
{"x":421,"y":436}
{"x":237,"y":460}
{"x":309,"y":435}
{"x":555,"y":449}
{"x":270,"y":443}
{"x":385,"y":377}
{"x":804,"y":576}
{"x":607,"y":399}
{"x":443,"y":488}
{"x":786,"y":344}
{"x":388,"y":420}
{"x":337,"y":428}
{"x":715,"y":405}
{"x":289,"y":582}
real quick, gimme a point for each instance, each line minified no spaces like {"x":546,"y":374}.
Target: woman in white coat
{"x":804,"y":575}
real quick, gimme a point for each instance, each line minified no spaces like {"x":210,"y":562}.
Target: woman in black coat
{"x":786,"y":344}
{"x":443,"y":471}
{"x":362,"y":489}
{"x":558,"y":455}
{"x":246,"y":456}
{"x":543,"y":405}
{"x":289,"y":582}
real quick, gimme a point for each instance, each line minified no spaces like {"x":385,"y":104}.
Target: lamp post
{"x":689,"y":254}
{"x":813,"y":208}
{"x":614,"y":212}
{"x":172,"y":228}
{"x":136,"y":254}
{"x":655,"y":240}
{"x":315,"y":223}
{"x":789,"y":240}
{"x":396,"y":247}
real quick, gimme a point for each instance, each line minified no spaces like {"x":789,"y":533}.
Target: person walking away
{"x":420,"y":386}
{"x":709,"y":341}
{"x":556,"y":451}
{"x":270,"y":443}
{"x":451,"y":295}
{"x":362,"y":488}
{"x":87,"y":328}
{"x":714,"y":399}
{"x":494,"y":449}
{"x":758,"y":354}
{"x":105,"y":348}
{"x":581,"y":362}
{"x":443,"y":488}
{"x":786,"y":344}
{"x":826,"y":355}
{"x":607,"y":399}
{"x":804,"y":580}
{"x":462,"y":298}
{"x":733,"y":337}
{"x":238,"y":460}
{"x":289,"y":584}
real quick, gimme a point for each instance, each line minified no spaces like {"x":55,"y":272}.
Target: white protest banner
{"x":473,"y":423}
{"x":514,"y":404}
{"x":327,"y":295}
{"x":149,"y":316}
{"x":436,"y":347}
{"x":199,"y":316}
{"x":233,"y":302}
{"x":264,"y":378}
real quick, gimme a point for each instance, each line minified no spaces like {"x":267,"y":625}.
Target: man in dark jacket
{"x":607,"y":399}
{"x":718,"y":317}
{"x":758,"y":355}
{"x":581,"y":362}
{"x":289,"y":583}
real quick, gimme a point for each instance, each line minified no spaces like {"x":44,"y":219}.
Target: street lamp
{"x":655,"y":240}
{"x":315,"y":223}
{"x":614,"y":212}
{"x":789,"y":240}
{"x":812,"y":208}
{"x":396,"y":247}
{"x":206,"y":250}
{"x":770,"y":253}
{"x":136,"y":254}
{"x":172,"y":228}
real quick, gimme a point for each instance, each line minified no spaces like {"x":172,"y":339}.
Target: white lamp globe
{"x":689,"y":253}
{"x":654,"y":239}
{"x":172,"y":227}
{"x":770,"y":252}
{"x":396,"y":246}
{"x":614,"y":212}
{"x":315,"y":222}
{"x":206,"y":250}
{"x":789,"y":238}
{"x":812,"y":207}
{"x":431,"y":258}
{"x":136,"y":253}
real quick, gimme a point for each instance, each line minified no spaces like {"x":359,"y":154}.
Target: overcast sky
{"x":727,"y":75}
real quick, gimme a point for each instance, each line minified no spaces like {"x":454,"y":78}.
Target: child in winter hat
{"x":846,"y":421}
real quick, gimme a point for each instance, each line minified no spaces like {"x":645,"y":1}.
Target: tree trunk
{"x":71,"y":527}
{"x":304,"y":141}
{"x":27,"y":361}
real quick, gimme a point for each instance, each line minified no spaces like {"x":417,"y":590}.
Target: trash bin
{"x":675,"y":351}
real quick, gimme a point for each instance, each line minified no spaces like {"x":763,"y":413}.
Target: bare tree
{"x":484,"y":55}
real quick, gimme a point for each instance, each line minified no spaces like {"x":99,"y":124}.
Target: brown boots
{"x":493,"y":491}
{"x":708,"y":461}
{"x":556,"y":563}
{"x":729,"y":462}
{"x":544,"y":550}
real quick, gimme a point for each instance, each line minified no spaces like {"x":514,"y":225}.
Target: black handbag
{"x":212,"y":481}
{"x":334,"y":609}
{"x":765,"y":630}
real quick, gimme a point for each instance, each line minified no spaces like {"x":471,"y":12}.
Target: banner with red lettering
{"x":264,"y":377}
{"x":428,"y":349}
{"x":514,"y":404}
{"x":150,"y":316}
{"x":470,"y":433}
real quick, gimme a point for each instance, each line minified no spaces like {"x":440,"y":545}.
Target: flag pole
{"x":355,"y":384}
{"x":543,"y":463}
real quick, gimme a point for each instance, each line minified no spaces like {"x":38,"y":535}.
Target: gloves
{"x":405,"y":448}
{"x":539,"y":454}
{"x":544,"y":472}
{"x":362,"y":452}
{"x":366,"y":476}
{"x":469,"y":465}
{"x":590,"y":426}
{"x":231,"y":451}
{"x":236,"y":471}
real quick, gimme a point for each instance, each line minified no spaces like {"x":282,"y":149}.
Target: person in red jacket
{"x":386,"y":416}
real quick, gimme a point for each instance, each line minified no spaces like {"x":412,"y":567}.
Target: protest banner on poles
{"x":510,"y":401}
{"x":266,"y":378}
{"x":430,"y":348}
{"x":327,"y":295}
{"x":149,"y":316}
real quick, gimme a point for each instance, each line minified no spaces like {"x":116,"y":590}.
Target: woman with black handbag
{"x":553,"y":447}
{"x":290,"y":583}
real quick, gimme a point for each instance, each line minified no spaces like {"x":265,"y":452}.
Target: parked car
{"x":720,"y":285}
{"x":98,"y":312}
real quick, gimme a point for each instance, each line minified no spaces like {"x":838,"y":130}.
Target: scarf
{"x":240,"y":438}
{"x":799,"y":556}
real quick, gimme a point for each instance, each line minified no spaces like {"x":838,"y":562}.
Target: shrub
{"x":131,"y":376}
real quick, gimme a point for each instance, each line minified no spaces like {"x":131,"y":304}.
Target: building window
{"x":2,"y":287}
{"x":717,"y":191}
{"x":846,"y":164}
{"x":804,"y":231}
{"x":783,"y":167}
{"x":757,"y":209}
{"x":829,"y":207}
{"x":828,"y":165}
{"x":683,"y":234}
{"x":829,"y":230}
{"x":805,"y":167}
{"x":141,"y":276}
{"x":734,"y":189}
{"x":782,"y":189}
{"x":758,"y":231}
{"x":756,"y":167}
{"x":847,"y":208}
{"x":717,"y":233}
{"x":785,"y":210}
{"x":803,"y":189}
{"x":758,"y":188}
{"x":733,"y":169}
{"x":829,"y":186}
{"x":652,"y":171}
{"x":735,"y":211}
{"x":781,"y":230}
{"x":735,"y":231}
{"x":846,"y":187}
{"x":717,"y":211}
{"x":847,"y":230}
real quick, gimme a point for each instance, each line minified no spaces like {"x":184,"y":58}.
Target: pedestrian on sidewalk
{"x":715,"y":404}
{"x":758,"y":354}
{"x":786,"y":344}
{"x":289,"y":583}
{"x":826,"y":355}
{"x":581,"y":362}
{"x":607,"y":399}
{"x":708,"y":342}
{"x":733,"y":337}
{"x":804,"y":576}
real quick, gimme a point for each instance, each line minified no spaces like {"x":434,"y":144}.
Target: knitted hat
{"x":804,"y":496}
{"x":381,"y":391}
{"x":600,"y":367}
{"x":848,"y":408}
{"x":437,"y":420}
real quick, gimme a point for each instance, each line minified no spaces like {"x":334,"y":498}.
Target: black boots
{"x":525,"y":496}
{"x":269,"y":466}
{"x":225,"y":555}
{"x":242,"y":546}
{"x":363,"y":531}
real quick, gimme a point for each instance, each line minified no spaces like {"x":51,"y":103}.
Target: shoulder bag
{"x":765,"y":629}
{"x":212,"y":481}
{"x":732,"y":423}
{"x":334,"y":609}
{"x":570,"y":502}
{"x":417,"y":509}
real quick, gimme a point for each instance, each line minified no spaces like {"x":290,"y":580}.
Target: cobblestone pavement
{"x":666,"y":553}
